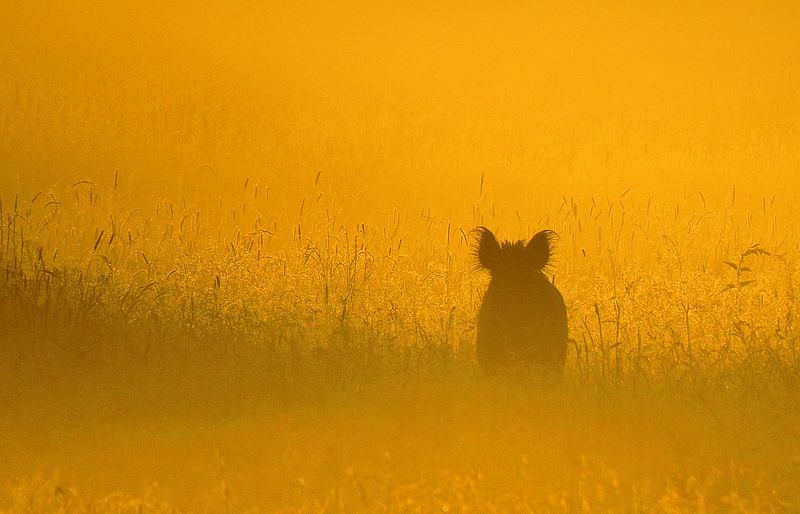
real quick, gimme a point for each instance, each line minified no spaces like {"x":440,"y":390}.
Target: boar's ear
{"x":487,"y":249}
{"x":540,"y":249}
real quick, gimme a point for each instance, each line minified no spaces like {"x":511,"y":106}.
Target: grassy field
{"x":237,"y":275}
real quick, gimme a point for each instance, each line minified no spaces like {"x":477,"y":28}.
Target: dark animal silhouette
{"x":522,"y":321}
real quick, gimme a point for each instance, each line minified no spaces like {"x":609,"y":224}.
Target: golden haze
{"x":237,"y":270}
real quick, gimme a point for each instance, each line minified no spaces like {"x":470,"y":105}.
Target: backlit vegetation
{"x":247,"y":285}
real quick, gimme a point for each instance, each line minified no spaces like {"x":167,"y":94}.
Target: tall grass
{"x":681,"y":318}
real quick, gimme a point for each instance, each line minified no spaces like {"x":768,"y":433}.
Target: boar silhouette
{"x":522,"y":320}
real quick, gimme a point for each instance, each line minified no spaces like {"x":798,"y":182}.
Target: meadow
{"x":237,"y":269}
